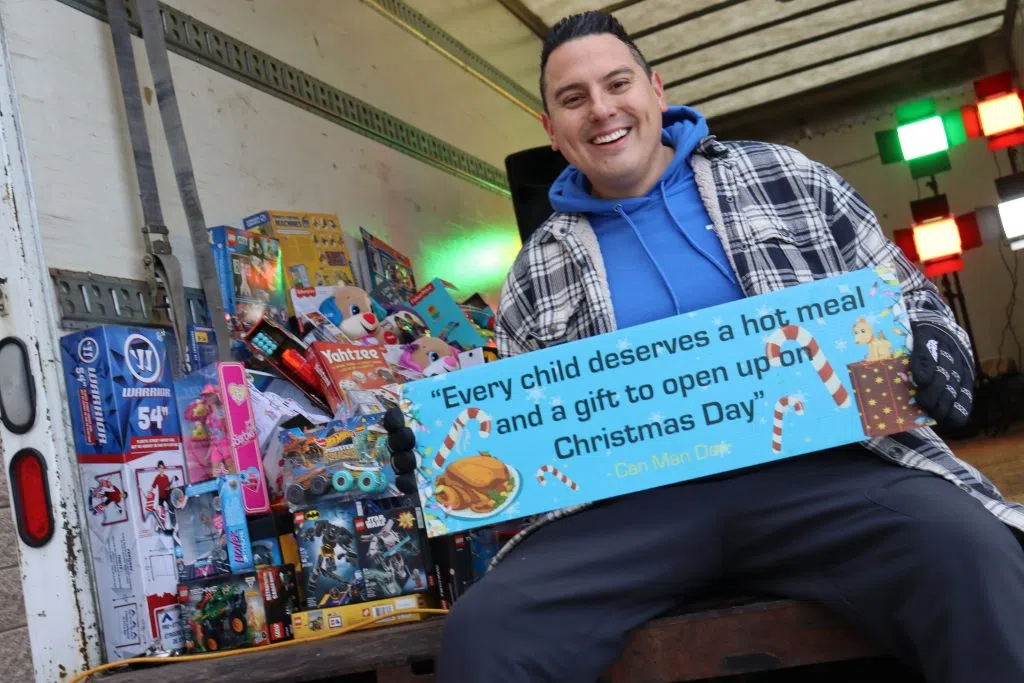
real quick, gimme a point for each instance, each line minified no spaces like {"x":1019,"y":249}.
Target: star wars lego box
{"x":128,"y":448}
{"x":391,"y":541}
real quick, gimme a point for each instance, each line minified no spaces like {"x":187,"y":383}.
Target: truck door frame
{"x":56,"y":581}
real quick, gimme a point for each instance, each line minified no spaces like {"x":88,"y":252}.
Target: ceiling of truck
{"x":726,"y":56}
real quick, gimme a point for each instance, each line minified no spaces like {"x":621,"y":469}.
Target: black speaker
{"x":530,"y":175}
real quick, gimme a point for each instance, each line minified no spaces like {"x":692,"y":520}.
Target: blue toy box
{"x":128,"y":448}
{"x":212,"y":538}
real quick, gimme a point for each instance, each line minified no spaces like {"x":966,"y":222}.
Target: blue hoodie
{"x":661,"y":254}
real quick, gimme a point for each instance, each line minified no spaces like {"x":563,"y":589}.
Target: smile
{"x":611,"y":137}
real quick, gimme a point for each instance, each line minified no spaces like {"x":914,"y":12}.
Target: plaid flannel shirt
{"x":783,"y":220}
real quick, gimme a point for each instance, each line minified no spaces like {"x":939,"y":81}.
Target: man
{"x":655,"y":218}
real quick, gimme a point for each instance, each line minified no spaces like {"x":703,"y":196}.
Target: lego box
{"x":727,"y":387}
{"x":319,"y":621}
{"x":394,"y":555}
{"x":244,"y":610}
{"x":249,"y":271}
{"x":129,"y":456}
{"x":313,"y":247}
{"x":325,"y":535}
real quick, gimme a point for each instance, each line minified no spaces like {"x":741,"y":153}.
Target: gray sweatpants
{"x":905,"y":556}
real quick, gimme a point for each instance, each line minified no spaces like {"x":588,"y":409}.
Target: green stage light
{"x":921,"y":138}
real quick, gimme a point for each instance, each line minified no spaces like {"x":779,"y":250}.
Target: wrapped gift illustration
{"x":886,"y":396}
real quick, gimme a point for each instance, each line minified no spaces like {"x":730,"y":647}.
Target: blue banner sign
{"x":774,"y":376}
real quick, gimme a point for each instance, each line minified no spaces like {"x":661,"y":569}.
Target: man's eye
{"x":618,"y":85}
{"x":570,"y":101}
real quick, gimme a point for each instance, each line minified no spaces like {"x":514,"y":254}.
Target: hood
{"x":683,"y":129}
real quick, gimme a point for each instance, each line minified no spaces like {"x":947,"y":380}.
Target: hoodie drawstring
{"x":696,"y":247}
{"x":664,"y":279}
{"x":727,"y":272}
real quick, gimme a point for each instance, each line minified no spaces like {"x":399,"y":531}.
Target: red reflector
{"x":31,"y":497}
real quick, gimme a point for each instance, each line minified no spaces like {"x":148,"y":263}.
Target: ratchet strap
{"x":163,"y":269}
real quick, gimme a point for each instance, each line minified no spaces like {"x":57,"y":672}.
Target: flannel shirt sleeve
{"x":514,"y":304}
{"x":863,"y":245}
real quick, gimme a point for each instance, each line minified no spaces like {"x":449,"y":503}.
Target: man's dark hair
{"x":585,"y":24}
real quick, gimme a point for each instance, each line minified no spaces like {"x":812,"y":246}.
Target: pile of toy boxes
{"x":255,"y":500}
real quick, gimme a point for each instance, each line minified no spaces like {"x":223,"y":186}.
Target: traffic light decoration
{"x":921,"y":138}
{"x":937,"y":240}
{"x":998,"y":114}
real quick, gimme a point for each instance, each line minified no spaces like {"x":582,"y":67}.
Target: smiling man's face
{"x":604,"y":115}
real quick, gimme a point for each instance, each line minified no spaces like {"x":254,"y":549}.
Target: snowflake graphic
{"x":764,"y":421}
{"x":655,"y":417}
{"x":536,"y":394}
{"x":763,"y":311}
{"x":841,"y":344}
{"x":844,"y":289}
{"x":807,"y":439}
{"x":624,"y":344}
{"x":717,"y":322}
{"x":691,"y":314}
{"x":556,"y":401}
{"x":608,"y":452}
{"x":821,"y":322}
{"x":438,"y":423}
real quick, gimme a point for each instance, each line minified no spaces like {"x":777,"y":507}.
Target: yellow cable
{"x":251,"y":650}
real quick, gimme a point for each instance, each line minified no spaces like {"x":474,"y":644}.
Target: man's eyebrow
{"x":621,"y":71}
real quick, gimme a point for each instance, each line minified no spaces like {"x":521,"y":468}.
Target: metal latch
{"x":3,"y":296}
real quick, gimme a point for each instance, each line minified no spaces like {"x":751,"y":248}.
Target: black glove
{"x":943,"y":375}
{"x":402,"y":444}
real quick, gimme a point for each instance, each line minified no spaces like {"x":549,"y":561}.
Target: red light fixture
{"x":31,"y":497}
{"x":937,"y":240}
{"x":998,"y":115}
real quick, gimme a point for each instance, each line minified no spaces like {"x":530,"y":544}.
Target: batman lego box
{"x":325,"y":534}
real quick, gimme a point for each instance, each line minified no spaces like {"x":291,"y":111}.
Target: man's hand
{"x":944,"y":377}
{"x":402,"y":444}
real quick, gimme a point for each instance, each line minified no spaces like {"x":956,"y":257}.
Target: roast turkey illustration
{"x":478,"y":482}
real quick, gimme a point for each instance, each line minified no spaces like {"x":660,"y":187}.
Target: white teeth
{"x":611,"y":137}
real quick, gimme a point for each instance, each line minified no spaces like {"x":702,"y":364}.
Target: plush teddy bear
{"x":351,"y":310}
{"x":426,"y":351}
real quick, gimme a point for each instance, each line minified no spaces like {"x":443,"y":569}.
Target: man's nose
{"x":601,"y":106}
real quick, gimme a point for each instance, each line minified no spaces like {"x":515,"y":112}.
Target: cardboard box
{"x":445,"y":317}
{"x":218,"y":427}
{"x":128,"y":448}
{"x":394,"y":554}
{"x":319,"y":621}
{"x":327,"y":552}
{"x":313,"y":247}
{"x":357,"y":380}
{"x":251,"y":277}
{"x":213,"y":538}
{"x":246,"y":610}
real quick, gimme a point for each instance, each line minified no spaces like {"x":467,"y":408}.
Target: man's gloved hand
{"x":944,"y":377}
{"x":402,"y":444}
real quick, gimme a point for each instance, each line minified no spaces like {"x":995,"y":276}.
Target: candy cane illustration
{"x":818,"y":360}
{"x":557,"y":474}
{"x":781,"y":406}
{"x":457,"y":427}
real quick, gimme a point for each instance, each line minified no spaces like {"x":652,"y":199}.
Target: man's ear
{"x":546,"y":120}
{"x":659,"y":90}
